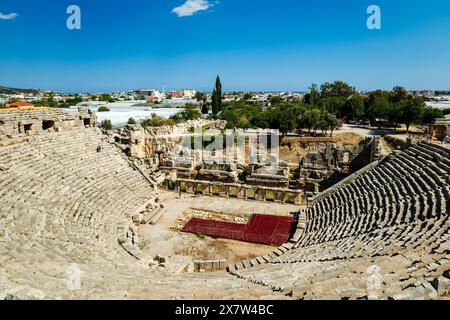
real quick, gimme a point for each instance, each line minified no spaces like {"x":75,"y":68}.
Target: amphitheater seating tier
{"x":61,"y":203}
{"x":392,"y":219}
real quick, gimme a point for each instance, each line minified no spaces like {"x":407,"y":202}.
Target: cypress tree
{"x":219,"y":93}
{"x":215,"y":102}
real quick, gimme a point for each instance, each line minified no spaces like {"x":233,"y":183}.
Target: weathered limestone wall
{"x":440,"y":128}
{"x":155,"y":141}
{"x":369,"y":152}
{"x":24,"y":122}
{"x":209,"y":265}
{"x":239,"y":191}
{"x":184,"y":127}
{"x":350,"y":178}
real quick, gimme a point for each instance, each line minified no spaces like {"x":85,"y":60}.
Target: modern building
{"x":188,"y":93}
{"x":185,"y":94}
{"x":150,"y":93}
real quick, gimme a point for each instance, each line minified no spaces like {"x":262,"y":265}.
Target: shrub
{"x":103,"y":109}
{"x":205,"y":109}
{"x":289,"y":198}
{"x":106,"y":124}
{"x":132,"y":121}
{"x":157,"y":121}
{"x":189,"y":113}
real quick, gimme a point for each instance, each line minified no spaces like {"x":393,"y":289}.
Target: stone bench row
{"x":401,"y":205}
{"x":61,"y":189}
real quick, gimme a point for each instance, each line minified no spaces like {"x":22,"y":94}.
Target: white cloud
{"x":8,"y":16}
{"x":191,"y":7}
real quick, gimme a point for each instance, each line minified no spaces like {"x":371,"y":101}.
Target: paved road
{"x":363,"y":131}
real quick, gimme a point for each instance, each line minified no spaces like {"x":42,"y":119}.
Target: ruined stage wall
{"x":238,"y":191}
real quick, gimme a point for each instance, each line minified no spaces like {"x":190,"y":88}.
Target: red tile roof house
{"x":152,"y":100}
{"x":19,"y":104}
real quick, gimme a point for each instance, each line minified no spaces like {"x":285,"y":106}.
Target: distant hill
{"x":6,"y":90}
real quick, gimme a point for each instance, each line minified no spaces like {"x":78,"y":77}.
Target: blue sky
{"x":253,"y":45}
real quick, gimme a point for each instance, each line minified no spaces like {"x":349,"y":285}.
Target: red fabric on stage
{"x":262,"y":229}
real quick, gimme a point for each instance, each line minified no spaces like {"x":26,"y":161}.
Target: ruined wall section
{"x":25,"y":122}
{"x":138,"y":142}
{"x":186,"y":127}
{"x":368,"y":153}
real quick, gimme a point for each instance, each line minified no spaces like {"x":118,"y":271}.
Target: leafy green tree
{"x":244,"y":121}
{"x":378,"y":105}
{"x":51,"y":102}
{"x":231,"y":117}
{"x":71,"y":102}
{"x":311,"y":119}
{"x":287,"y":120}
{"x":313,"y":97}
{"x":106,"y":97}
{"x":260,"y":119}
{"x":275,"y":100}
{"x":199,"y":96}
{"x":336,"y":89}
{"x":11,"y":100}
{"x":412,"y":111}
{"x":247,"y":96}
{"x":354,"y":107}
{"x":334,"y":104}
{"x":329,"y":122}
{"x":394,"y":114}
{"x":429,"y":114}
{"x":398,"y":95}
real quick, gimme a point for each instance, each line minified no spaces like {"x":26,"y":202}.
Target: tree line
{"x":50,"y":102}
{"x":326,"y":107}
{"x":286,"y":117}
{"x":390,"y":108}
